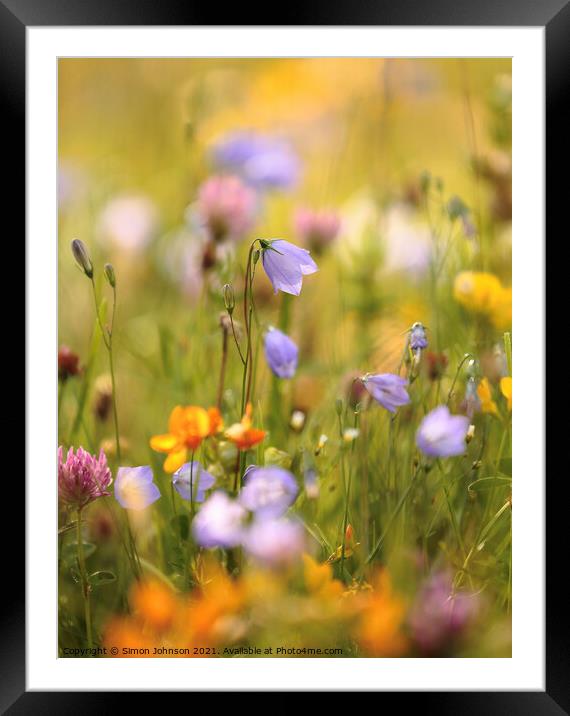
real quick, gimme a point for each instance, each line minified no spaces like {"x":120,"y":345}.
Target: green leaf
{"x":488,"y":483}
{"x":98,"y":578}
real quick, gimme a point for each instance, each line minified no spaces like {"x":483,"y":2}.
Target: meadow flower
{"x":275,"y":542}
{"x":129,"y":222}
{"x":187,"y":427}
{"x":316,"y":229}
{"x":220,"y":522}
{"x":485,"y":396}
{"x":285,"y":265}
{"x":319,"y":579}
{"x":201,"y":481}
{"x":438,"y":618}
{"x":226,"y":206}
{"x":134,"y":487}
{"x":242,"y":434}
{"x":268,"y":491}
{"x":418,"y":338}
{"x":387,"y":389}
{"x":262,"y":161}
{"x":154,"y":604}
{"x":506,"y":386}
{"x":483,"y":293}
{"x":82,"y":477}
{"x":441,"y":434}
{"x":67,"y":363}
{"x":380,"y":629}
{"x":281,"y":353}
{"x":471,"y":403}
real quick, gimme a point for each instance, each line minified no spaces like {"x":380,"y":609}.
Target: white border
{"x":526,"y":668}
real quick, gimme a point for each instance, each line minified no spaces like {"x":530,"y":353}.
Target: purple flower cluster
{"x":82,"y":477}
{"x":255,"y":520}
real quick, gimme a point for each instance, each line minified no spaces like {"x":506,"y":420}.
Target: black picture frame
{"x":554,"y":16}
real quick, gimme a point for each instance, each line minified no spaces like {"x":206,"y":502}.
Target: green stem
{"x":85,"y":586}
{"x":393,"y":516}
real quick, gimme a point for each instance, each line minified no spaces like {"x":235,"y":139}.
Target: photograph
{"x":285,"y":351}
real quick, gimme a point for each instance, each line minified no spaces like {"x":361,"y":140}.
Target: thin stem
{"x":347,"y":501}
{"x":393,"y":516}
{"x":459,"y":367}
{"x":222,"y":367}
{"x":85,"y":586}
{"x":235,"y":337}
{"x":60,"y":395}
{"x":112,"y":369}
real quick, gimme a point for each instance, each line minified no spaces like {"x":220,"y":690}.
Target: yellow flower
{"x":506,"y":386}
{"x":187,"y":427}
{"x":502,"y":311}
{"x":488,"y":405}
{"x":319,"y":579}
{"x":477,"y":291}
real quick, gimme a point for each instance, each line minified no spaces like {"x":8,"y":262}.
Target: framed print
{"x":289,"y":274}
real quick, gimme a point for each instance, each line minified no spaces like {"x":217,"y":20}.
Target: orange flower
{"x":379,"y":632}
{"x":154,"y":603}
{"x":242,"y":434}
{"x":506,"y":386}
{"x":187,"y":427}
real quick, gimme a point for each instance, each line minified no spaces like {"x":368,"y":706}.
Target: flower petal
{"x":164,"y":443}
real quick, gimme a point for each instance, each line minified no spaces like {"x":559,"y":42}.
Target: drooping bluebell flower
{"x":134,"y":487}
{"x":220,"y":522}
{"x":441,"y":434}
{"x":281,"y":353}
{"x":201,"y":481}
{"x":268,"y":491}
{"x":285,"y":265}
{"x":387,"y":389}
{"x":263,"y":161}
{"x":471,"y":403}
{"x":418,"y":337}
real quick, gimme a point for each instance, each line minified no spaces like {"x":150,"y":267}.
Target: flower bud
{"x":81,"y":255}
{"x":297,"y":420}
{"x":339,"y":406}
{"x":110,"y":275}
{"x":229,"y":297}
